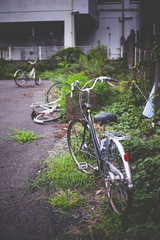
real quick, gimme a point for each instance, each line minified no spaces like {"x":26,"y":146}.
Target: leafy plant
{"x":66,"y":89}
{"x":23,"y":136}
{"x":66,"y":200}
{"x":61,"y":173}
{"x":143,"y":220}
{"x":69,"y":55}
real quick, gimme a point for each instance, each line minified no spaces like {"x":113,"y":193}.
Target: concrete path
{"x":25,"y":215}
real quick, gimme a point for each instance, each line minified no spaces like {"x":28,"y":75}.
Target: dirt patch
{"x":61,"y":131}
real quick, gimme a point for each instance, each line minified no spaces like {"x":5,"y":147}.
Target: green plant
{"x":67,"y":87}
{"x":61,"y":173}
{"x":68,"y":55}
{"x":7,"y":68}
{"x":23,"y":136}
{"x":94,"y":63}
{"x":66,"y":200}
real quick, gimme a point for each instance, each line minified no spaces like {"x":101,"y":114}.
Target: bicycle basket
{"x":75,"y":108}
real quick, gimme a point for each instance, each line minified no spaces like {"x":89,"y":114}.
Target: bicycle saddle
{"x":103,"y":117}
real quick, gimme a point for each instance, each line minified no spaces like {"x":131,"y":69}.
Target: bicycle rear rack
{"x":118,"y":135}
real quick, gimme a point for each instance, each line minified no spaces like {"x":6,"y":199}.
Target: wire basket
{"x":75,"y":108}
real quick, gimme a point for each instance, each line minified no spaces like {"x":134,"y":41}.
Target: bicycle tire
{"x":33,"y":114}
{"x":37,"y":79}
{"x":20,"y":78}
{"x":54,"y":93}
{"x":42,"y":118}
{"x":80,"y":147}
{"x":119,"y":193}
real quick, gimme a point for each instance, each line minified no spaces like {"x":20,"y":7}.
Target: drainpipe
{"x":122,"y":36}
{"x":73,"y":13}
{"x":72,"y":22}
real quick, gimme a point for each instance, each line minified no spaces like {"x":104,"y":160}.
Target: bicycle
{"x":21,"y":77}
{"x":106,"y":155}
{"x":50,"y":110}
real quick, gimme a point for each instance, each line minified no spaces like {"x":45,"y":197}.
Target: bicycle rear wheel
{"x":81,"y":146}
{"x":42,"y":117}
{"x":37,"y":79}
{"x":20,"y":78}
{"x":118,"y":185}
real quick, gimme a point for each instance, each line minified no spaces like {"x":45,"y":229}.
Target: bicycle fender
{"x":38,"y":121}
{"x":17,"y":72}
{"x":126,"y":164}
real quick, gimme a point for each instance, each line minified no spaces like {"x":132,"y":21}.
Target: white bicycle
{"x":21,"y":76}
{"x":51,"y":110}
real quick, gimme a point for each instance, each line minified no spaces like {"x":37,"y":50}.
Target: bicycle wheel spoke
{"x":37,"y":79}
{"x":119,"y":193}
{"x":54,"y":93}
{"x":41,"y":118}
{"x":20,"y":78}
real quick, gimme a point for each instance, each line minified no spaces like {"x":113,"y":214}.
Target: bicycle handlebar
{"x":102,"y":79}
{"x":32,"y":63}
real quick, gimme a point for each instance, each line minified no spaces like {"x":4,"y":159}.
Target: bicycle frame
{"x":115,"y":173}
{"x":106,"y":155}
{"x":32,"y":73}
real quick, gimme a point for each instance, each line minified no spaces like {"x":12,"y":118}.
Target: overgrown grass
{"x":22,"y":136}
{"x":67,"y":183}
{"x":66,"y":200}
{"x":60,"y":174}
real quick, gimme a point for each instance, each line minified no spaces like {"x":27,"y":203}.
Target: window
{"x":108,"y":1}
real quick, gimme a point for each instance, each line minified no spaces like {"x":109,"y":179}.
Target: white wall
{"x":110,"y":25}
{"x":108,"y":31}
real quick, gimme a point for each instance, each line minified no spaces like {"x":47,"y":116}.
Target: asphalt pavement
{"x":25,"y":215}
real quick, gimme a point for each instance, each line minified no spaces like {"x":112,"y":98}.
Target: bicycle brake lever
{"x":72,"y":89}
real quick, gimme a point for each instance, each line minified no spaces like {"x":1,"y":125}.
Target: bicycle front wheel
{"x":42,"y":117}
{"x":81,"y":146}
{"x":118,"y":182}
{"x":20,"y":78}
{"x":54,"y":93}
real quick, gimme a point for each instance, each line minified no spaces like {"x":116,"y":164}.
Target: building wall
{"x":78,"y":22}
{"x":111,"y":20}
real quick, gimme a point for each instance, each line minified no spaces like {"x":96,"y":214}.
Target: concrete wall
{"x":112,"y":24}
{"x":29,"y":53}
{"x":84,"y":23}
{"x":46,"y":10}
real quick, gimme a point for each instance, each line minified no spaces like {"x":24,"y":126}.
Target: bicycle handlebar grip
{"x":111,"y":79}
{"x":32,"y":63}
{"x":105,"y":79}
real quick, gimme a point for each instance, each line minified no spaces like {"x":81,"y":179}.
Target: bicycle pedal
{"x":82,"y":165}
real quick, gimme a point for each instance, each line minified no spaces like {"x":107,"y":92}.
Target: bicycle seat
{"x":103,"y":117}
